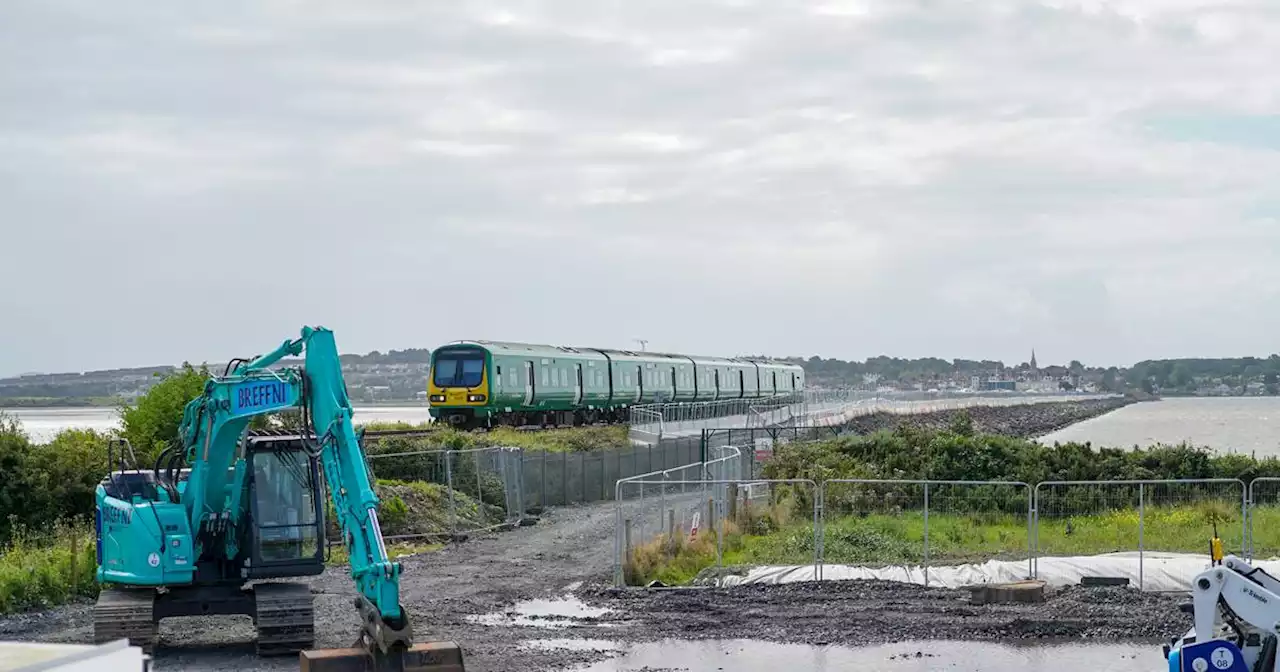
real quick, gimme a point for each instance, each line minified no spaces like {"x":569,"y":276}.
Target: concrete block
{"x":1005,"y":593}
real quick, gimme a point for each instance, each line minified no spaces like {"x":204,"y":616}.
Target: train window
{"x":512,"y":376}
{"x":545,"y":377}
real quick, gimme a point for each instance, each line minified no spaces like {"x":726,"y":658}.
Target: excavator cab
{"x":286,"y":507}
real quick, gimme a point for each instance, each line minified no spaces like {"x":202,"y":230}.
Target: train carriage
{"x":487,"y":383}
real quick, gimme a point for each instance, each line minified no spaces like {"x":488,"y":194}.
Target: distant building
{"x":990,"y":385}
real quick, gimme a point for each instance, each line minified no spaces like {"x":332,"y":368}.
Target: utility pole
{"x":642,"y":343}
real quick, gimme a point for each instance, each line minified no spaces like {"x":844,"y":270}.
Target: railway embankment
{"x":1023,"y":421}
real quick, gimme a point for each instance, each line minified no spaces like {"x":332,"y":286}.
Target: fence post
{"x":1142,"y":502}
{"x":1031,"y":549}
{"x":720,"y":529}
{"x":733,"y":502}
{"x":479,"y":488}
{"x":711,"y":512}
{"x":671,"y":522}
{"x":819,"y":523}
{"x":626,"y":543}
{"x":662,"y":499}
{"x":448,"y":474}
{"x":926,"y":534}
{"x":1246,"y":524}
{"x":520,"y":489}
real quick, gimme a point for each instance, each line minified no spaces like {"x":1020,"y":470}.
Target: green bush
{"x":908,"y":453}
{"x":152,"y":423}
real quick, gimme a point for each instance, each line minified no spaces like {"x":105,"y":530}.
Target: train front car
{"x":458,"y":385}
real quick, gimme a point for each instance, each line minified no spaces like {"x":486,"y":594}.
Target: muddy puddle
{"x":545,"y":613}
{"x":756,"y":656}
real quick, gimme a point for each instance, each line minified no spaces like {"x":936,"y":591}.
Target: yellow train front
{"x":458,"y":386}
{"x":485,"y":383}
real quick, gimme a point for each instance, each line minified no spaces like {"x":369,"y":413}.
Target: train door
{"x":716,"y":373}
{"x":639,"y":383}
{"x":674,"y":387}
{"x":577,"y":393}
{"x":528,"y":384}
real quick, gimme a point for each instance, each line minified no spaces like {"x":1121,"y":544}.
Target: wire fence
{"x":671,"y":501}
{"x":558,"y":479}
{"x":475,"y":489}
{"x":1077,"y":518}
{"x":916,"y":523}
{"x":910,"y":529}
{"x":1264,"y":518}
{"x":692,"y":524}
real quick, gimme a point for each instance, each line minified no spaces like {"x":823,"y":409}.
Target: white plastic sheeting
{"x":1160,"y":571}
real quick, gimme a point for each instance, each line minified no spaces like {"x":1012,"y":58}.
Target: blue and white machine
{"x":1236,"y":607}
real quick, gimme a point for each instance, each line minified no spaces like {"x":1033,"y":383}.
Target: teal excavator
{"x":218,"y":524}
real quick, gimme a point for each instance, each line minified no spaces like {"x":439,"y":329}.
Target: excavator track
{"x":285,"y":616}
{"x":126,"y":613}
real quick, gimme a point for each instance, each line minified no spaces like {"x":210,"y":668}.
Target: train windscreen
{"x":459,"y":369}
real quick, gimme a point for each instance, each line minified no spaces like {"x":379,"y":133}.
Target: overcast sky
{"x":1098,"y":180}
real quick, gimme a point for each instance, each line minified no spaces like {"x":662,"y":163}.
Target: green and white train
{"x":486,"y":383}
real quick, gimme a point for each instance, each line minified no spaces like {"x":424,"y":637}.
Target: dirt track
{"x":574,"y":545}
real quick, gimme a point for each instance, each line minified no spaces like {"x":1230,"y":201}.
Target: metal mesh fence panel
{"x":1264,"y":517}
{"x":1081,"y":518}
{"x":471,"y":490}
{"x":918,"y":524}
{"x":693,"y":525}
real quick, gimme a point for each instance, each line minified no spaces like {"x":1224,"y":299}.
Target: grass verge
{"x":47,"y":569}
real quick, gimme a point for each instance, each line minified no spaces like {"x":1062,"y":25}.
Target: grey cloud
{"x":842,"y":178}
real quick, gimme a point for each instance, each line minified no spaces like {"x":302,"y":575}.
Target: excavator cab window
{"x":286,"y":507}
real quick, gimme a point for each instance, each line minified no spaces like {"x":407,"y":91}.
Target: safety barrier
{"x":678,"y":493}
{"x":483,"y":488}
{"x":560,"y":478}
{"x":669,"y":525}
{"x":915,"y":526}
{"x":914,"y":522}
{"x":1139,"y":515}
{"x":1264,"y":514}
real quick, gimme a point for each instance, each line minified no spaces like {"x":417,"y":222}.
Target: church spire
{"x":1033,"y":360}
